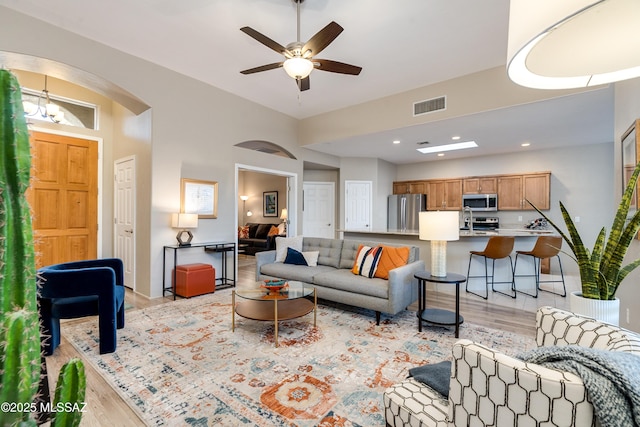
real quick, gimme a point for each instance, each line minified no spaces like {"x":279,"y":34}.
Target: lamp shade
{"x":284,"y":214}
{"x":569,"y":44}
{"x":298,"y":67}
{"x":184,"y":220}
{"x":244,"y":198}
{"x":439,"y":225}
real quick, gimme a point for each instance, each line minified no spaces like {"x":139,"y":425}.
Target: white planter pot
{"x":603,"y":310}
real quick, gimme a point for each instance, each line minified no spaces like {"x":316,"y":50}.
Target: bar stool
{"x":545,"y":247}
{"x":498,"y":247}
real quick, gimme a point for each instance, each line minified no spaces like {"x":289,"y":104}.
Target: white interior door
{"x":125,"y":213}
{"x":318,"y":209}
{"x":357,"y":205}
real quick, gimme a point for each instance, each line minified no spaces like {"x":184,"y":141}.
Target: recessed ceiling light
{"x":448,"y":147}
{"x":440,"y":154}
{"x":525,"y":144}
{"x":396,"y":141}
{"x":455,"y":138}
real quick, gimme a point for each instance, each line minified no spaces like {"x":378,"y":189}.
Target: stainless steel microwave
{"x":480,"y":202}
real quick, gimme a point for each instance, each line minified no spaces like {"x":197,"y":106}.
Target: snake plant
{"x":601,"y":270}
{"x":20,"y":355}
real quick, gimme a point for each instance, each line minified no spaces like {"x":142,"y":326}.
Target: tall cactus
{"x":69,"y":394}
{"x":20,"y":355}
{"x":19,"y":330}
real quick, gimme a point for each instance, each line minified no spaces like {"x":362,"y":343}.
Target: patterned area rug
{"x":179,"y":363}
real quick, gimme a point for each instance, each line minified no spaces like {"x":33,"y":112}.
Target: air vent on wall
{"x":429,"y":106}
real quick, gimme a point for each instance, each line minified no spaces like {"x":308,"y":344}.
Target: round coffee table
{"x":262,"y":304}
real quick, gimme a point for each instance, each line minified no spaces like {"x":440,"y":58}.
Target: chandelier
{"x":44,"y":108}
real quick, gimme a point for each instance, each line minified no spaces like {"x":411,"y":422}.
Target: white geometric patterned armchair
{"x":491,"y":388}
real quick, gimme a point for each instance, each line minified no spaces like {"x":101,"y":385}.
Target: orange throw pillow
{"x":391,"y":258}
{"x":366,"y":261}
{"x":243,"y":232}
{"x":273,"y":231}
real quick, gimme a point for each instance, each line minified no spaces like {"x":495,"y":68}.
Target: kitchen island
{"x":458,"y":251}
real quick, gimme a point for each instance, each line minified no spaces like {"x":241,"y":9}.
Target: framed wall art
{"x":199,"y":197}
{"x":270,"y":203}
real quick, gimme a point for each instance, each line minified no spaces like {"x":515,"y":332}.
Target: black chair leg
{"x":486,"y":280}
{"x":564,"y":286}
{"x":512,"y":294}
{"x":536,"y":267}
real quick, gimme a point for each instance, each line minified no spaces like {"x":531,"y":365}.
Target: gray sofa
{"x":334,"y":281}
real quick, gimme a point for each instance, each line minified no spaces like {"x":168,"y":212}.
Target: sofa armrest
{"x":490,"y":388}
{"x":558,"y":327}
{"x":271,"y":240}
{"x":403,"y":286}
{"x":262,"y":258}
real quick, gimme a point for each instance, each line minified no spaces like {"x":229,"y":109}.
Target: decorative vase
{"x":604,"y":310}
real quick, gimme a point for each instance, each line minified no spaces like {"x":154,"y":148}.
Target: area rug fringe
{"x":179,"y":363}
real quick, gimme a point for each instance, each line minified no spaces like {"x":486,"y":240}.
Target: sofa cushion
{"x":367,"y":260}
{"x":263,"y":231}
{"x":346,"y":281}
{"x":295,"y":257}
{"x":350,"y":249}
{"x":282,"y":243}
{"x":294,"y":272}
{"x":243,"y":232}
{"x":391,"y":258}
{"x":273,"y":231}
{"x":253,"y":227}
{"x":328,"y":250}
{"x":311,"y":257}
{"x":255,"y":243}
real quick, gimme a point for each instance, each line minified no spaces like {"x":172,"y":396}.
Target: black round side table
{"x":435,"y":315}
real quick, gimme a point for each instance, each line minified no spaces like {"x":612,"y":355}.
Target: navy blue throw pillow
{"x":295,"y":257}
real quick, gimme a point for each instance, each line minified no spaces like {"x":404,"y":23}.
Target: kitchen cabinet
{"x":409,"y":187}
{"x":480,"y":185}
{"x":445,"y":195}
{"x":515,"y":190}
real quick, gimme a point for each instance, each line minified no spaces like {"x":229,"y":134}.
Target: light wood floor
{"x":106,"y":408}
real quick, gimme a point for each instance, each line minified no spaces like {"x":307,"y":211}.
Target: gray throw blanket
{"x":611,"y":378}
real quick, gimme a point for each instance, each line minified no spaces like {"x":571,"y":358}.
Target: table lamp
{"x":183,"y":222}
{"x":439,"y":227}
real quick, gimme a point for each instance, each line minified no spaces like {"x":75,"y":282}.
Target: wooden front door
{"x":64,"y":198}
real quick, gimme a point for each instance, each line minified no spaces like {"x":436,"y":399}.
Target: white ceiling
{"x":401,"y":45}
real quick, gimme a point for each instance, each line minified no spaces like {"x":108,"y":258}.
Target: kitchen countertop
{"x":515,"y":232}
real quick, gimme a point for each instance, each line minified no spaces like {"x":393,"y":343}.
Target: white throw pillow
{"x":311,"y":257}
{"x":282,"y":243}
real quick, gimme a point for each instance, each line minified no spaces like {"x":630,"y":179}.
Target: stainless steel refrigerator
{"x":403,"y":209}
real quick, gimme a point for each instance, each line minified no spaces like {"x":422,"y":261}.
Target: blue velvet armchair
{"x":78,"y":289}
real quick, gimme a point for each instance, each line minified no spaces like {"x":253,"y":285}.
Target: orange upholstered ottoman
{"x":195,"y":279}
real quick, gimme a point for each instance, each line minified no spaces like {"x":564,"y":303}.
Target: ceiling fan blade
{"x":336,"y":67}
{"x":262,"y":68}
{"x":303,"y":84}
{"x":322,"y":39}
{"x":264,"y":40}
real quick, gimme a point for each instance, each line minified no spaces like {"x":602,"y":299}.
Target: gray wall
{"x":627,"y":109}
{"x":195,"y":142}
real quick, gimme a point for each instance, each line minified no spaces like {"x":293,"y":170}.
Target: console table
{"x":435,"y":315}
{"x":222,"y":248}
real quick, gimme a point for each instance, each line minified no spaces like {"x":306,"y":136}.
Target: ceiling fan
{"x":300,"y":57}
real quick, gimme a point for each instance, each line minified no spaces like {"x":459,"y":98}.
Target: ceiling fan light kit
{"x":299,"y":60}
{"x":571,"y":44}
{"x":297,"y":67}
